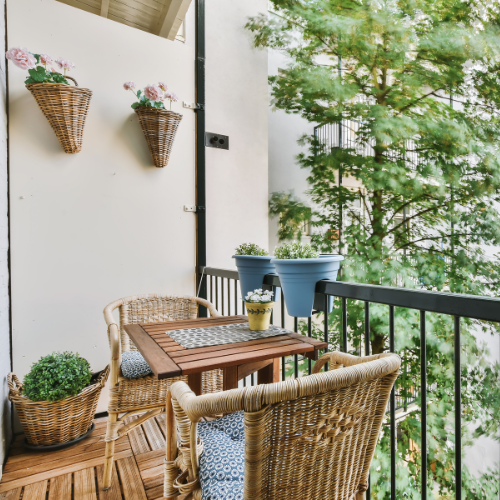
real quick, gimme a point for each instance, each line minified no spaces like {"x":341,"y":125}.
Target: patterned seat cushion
{"x":134,"y":365}
{"x":222,"y":463}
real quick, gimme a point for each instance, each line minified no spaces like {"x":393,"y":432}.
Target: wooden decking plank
{"x":114,"y":492}
{"x":11,"y":495}
{"x":36,"y":491}
{"x":225,"y":361}
{"x":177,"y":356}
{"x":29,"y":458}
{"x":6,"y":486}
{"x":60,"y":487}
{"x":161,"y":422}
{"x":156,"y":493}
{"x":54,"y":459}
{"x":85,"y":484}
{"x":150,"y":459}
{"x":133,"y":488}
{"x":59,"y":463}
{"x":152,"y":473}
{"x":153,"y":434}
{"x":137,"y":439}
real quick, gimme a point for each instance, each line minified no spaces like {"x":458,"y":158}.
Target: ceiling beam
{"x":172,"y":15}
{"x":104,"y":8}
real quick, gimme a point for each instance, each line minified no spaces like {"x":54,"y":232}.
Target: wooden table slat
{"x":222,"y":347}
{"x":236,"y":350}
{"x":159,"y":361}
{"x":238,"y":359}
{"x":193,"y":323}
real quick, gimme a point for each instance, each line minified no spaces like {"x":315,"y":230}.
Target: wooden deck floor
{"x":76,"y":473}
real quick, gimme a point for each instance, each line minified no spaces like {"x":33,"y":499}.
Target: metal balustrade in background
{"x":223,"y":290}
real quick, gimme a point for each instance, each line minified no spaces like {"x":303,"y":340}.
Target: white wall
{"x":236,"y":104}
{"x":4,"y":248}
{"x":105,"y":223}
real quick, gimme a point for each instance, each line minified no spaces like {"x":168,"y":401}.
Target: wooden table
{"x":167,"y":358}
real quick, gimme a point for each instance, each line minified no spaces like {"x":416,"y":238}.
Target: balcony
{"x":80,"y":230}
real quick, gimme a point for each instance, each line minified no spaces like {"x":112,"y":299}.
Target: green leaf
{"x":135,"y":105}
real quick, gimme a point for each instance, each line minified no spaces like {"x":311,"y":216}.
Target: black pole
{"x":201,"y":221}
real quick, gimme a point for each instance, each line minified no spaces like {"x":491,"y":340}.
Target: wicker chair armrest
{"x":211,"y":308}
{"x":340,"y":359}
{"x":114,"y":344}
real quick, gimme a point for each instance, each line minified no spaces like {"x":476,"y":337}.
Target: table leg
{"x":270,"y":373}
{"x":230,"y":378}
{"x":194,"y":382}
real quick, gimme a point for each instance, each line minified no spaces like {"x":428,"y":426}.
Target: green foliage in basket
{"x":249,"y":249}
{"x":295,"y":251}
{"x":57,"y":376}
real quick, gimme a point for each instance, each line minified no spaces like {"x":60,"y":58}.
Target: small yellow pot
{"x":259,"y":315}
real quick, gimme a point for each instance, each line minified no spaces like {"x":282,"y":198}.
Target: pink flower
{"x":21,"y":58}
{"x":45,"y":59}
{"x":162,"y":86}
{"x":153,"y":93}
{"x":129,"y":85}
{"x":64,"y":64}
{"x":172,"y":96}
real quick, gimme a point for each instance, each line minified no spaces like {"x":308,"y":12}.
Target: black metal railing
{"x":222,"y":290}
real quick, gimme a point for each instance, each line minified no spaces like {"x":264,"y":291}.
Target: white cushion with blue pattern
{"x":134,"y":365}
{"x":222,"y":463}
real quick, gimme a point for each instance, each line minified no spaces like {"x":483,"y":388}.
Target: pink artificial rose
{"x":129,"y":85}
{"x":45,"y":59}
{"x":153,"y":93}
{"x":162,"y":86}
{"x":21,"y":58}
{"x":64,"y":64}
{"x":172,"y":96}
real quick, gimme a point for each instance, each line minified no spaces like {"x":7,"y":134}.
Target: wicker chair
{"x":145,"y":395}
{"x":310,"y":438}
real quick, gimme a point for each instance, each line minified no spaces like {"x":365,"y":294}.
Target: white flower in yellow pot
{"x":259,"y":306}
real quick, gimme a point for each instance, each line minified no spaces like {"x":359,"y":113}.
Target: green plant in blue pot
{"x":253,"y":263}
{"x":300,"y":267}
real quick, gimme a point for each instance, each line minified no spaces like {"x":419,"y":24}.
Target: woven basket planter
{"x":159,"y":127}
{"x":48,"y":423}
{"x":65,"y":107}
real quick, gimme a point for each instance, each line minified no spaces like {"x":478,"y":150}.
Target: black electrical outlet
{"x":216,"y":140}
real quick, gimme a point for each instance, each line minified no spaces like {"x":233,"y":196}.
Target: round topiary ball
{"x":57,"y":376}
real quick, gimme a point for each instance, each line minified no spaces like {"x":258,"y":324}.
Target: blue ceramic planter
{"x":299,"y":277}
{"x":251,"y":270}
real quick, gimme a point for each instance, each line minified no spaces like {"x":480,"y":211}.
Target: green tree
{"x":416,"y":83}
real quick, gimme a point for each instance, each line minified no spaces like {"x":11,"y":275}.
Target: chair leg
{"x":361,"y":495}
{"x":110,"y":450}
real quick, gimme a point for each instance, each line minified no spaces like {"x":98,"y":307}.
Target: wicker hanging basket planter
{"x":48,"y":423}
{"x":159,"y":127}
{"x":65,"y":107}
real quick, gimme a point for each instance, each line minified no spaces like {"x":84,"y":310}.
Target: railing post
{"x":458,"y":412}
{"x":423,"y":403}
{"x":393,"y":409}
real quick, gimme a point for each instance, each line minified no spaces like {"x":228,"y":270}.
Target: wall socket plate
{"x":218,"y":141}
{"x":189,"y":105}
{"x":189,"y":208}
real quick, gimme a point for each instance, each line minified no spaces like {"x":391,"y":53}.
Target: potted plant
{"x":259,"y":306}
{"x":57,"y":401}
{"x":300,"y":267}
{"x":64,"y":106}
{"x":253,"y":264}
{"x":158,"y":123}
